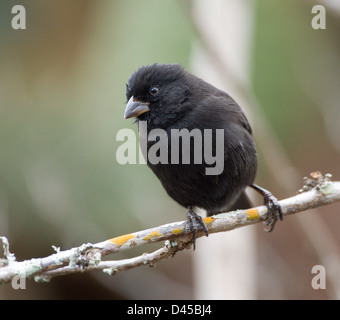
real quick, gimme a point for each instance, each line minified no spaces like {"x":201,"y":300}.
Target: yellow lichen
{"x":252,"y":214}
{"x":152,"y":234}
{"x":122,"y":239}
{"x":208,"y":220}
{"x":177,"y":230}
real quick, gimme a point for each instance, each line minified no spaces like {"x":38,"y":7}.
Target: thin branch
{"x":317,"y":191}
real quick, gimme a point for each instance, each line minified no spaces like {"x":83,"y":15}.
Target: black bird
{"x":167,"y":97}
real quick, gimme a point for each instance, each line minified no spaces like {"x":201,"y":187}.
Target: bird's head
{"x":157,"y":93}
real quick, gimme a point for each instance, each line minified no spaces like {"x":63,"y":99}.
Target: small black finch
{"x":169,"y":98}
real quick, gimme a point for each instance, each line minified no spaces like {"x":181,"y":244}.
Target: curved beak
{"x":134,"y":108}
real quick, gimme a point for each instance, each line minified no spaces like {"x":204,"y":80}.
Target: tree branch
{"x":317,"y":191}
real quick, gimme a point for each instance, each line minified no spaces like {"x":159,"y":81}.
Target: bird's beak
{"x":134,"y":108}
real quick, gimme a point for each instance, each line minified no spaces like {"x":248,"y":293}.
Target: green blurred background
{"x":62,"y":99}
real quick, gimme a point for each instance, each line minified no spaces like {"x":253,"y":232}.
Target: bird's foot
{"x":195,"y":223}
{"x":274,"y":209}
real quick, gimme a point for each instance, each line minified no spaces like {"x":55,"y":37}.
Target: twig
{"x":317,"y":191}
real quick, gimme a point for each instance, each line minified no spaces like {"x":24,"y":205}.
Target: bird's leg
{"x":195,"y":223}
{"x":274,"y":208}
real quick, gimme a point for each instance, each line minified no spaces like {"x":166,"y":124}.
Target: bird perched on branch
{"x":192,"y":127}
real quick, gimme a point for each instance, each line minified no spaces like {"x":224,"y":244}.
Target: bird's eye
{"x":154,"y":91}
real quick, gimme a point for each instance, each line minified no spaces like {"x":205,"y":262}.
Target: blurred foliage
{"x":286,"y":46}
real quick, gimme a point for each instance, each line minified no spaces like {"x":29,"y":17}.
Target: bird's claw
{"x":274,"y":211}
{"x":195,"y":223}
